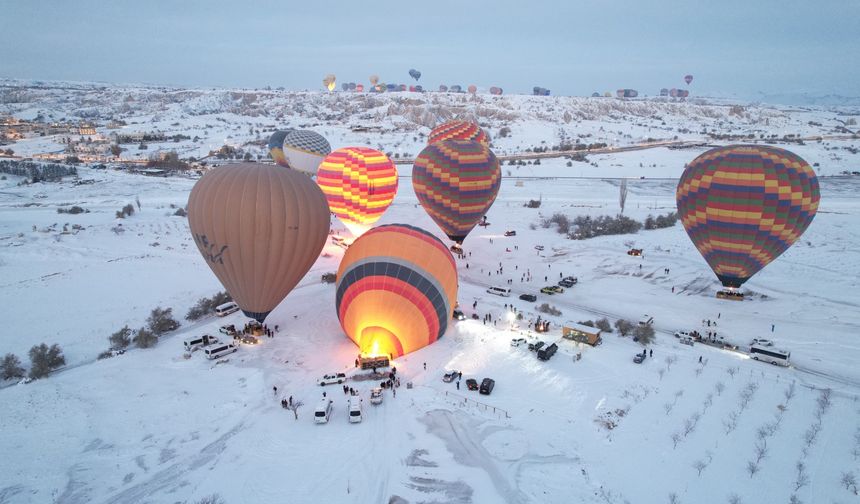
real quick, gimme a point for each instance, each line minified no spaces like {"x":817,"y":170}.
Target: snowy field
{"x":151,"y":426}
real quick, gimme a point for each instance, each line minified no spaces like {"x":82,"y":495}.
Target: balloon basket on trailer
{"x":457,"y":249}
{"x":730,"y":294}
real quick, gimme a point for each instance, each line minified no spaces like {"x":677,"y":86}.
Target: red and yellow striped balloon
{"x":744,"y":205}
{"x":396,"y":290}
{"x":359,"y":184}
{"x":459,"y":130}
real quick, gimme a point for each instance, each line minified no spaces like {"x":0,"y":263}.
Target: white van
{"x":194,"y":342}
{"x":218,"y":351}
{"x":354,"y":409}
{"x":226,"y":309}
{"x":499,"y":291}
{"x":323,"y":411}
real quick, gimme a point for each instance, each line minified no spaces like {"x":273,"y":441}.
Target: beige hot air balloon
{"x":330,"y":81}
{"x":260,"y":228}
{"x":374,"y":79}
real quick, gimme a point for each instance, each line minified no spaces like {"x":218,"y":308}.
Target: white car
{"x":518,"y":341}
{"x":762,"y":342}
{"x":331,"y":378}
{"x":646,"y":320}
{"x":449,"y":376}
{"x":683,"y":334}
{"x":376,"y":395}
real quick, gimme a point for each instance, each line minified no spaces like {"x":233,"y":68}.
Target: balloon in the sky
{"x":396,"y":290}
{"x":443,"y":88}
{"x":374,"y":79}
{"x":595,"y":95}
{"x":305,"y":150}
{"x":459,"y":130}
{"x":329,"y":82}
{"x":344,"y":86}
{"x":495,"y":91}
{"x":260,"y":228}
{"x":664,"y":92}
{"x":359,"y":88}
{"x":473,"y":89}
{"x":359,"y":184}
{"x":415,"y":74}
{"x":392,"y":87}
{"x":456,"y":182}
{"x":607,"y":94}
{"x":744,"y":205}
{"x":419,"y":89}
{"x":688,"y":79}
{"x":627,"y":93}
{"x":456,"y":88}
{"x":276,"y":147}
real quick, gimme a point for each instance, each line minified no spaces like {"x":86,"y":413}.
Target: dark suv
{"x":547,"y":352}
{"x":531,"y":298}
{"x":472,"y":384}
{"x":487,"y":386}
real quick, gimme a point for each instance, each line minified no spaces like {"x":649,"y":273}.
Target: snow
{"x":152,"y":426}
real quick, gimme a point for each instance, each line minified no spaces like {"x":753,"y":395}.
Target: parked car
{"x":552,"y":289}
{"x":229,"y":330}
{"x":332,"y":378}
{"x":531,"y":298}
{"x":450,"y":376}
{"x":472,"y":384}
{"x":518,"y":341}
{"x":510,"y":232}
{"x":376,"y":395}
{"x":538,"y":247}
{"x":537,"y":345}
{"x":458,"y":315}
{"x":638,"y":358}
{"x":686,"y":340}
{"x":634,"y":252}
{"x":250,"y":340}
{"x":568,"y":281}
{"x":683,"y":334}
{"x":762,"y":342}
{"x":646,"y":320}
{"x":487,"y":385}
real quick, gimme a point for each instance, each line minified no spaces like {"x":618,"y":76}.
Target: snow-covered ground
{"x":151,"y":426}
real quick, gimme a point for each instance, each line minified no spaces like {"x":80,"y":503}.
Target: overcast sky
{"x":732,"y":47}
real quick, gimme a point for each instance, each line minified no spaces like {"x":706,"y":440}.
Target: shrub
{"x":144,"y":338}
{"x":73,"y":210}
{"x":560,"y":220}
{"x":661,"y":221}
{"x":161,"y":321}
{"x":587,"y":227}
{"x":107,"y":354}
{"x":624,"y":327}
{"x":329,"y":278}
{"x":533,"y":204}
{"x":586,"y":323}
{"x":546,"y":308}
{"x":121,"y":339}
{"x":10,"y":367}
{"x":205,"y":306}
{"x":44,"y":359}
{"x":645,"y":333}
{"x":603,"y":324}
{"x":180,"y":212}
{"x":127,"y":211}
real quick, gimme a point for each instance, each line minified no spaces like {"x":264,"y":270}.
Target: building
{"x":581,"y":333}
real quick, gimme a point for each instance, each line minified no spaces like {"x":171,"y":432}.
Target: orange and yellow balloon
{"x":396,"y":290}
{"x":359,"y":184}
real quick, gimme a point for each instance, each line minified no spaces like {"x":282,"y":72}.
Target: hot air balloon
{"x":276,"y":147}
{"x":744,"y":205}
{"x":459,"y":130}
{"x":456,"y":182}
{"x":374,"y":79}
{"x":688,"y":79}
{"x":344,"y":86}
{"x":359,"y":88}
{"x":260,"y":228}
{"x":607,"y":94}
{"x":472,"y":89}
{"x":329,"y":82}
{"x":352,"y":86}
{"x":359,"y":184}
{"x":664,"y":92}
{"x":396,"y":290}
{"x":415,"y":74}
{"x":627,"y":93}
{"x":305,"y":150}
{"x":595,"y":95}
{"x":495,"y":91}
{"x":419,"y":89}
{"x":443,"y":88}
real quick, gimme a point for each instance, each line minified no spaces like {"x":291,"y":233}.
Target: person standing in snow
{"x":275,"y":390}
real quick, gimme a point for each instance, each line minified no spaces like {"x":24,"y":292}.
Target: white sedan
{"x":518,"y":341}
{"x":332,"y":378}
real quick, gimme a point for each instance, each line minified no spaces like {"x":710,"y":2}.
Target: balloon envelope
{"x":276,"y":147}
{"x":688,"y":78}
{"x":359,"y":184}
{"x":396,"y":290}
{"x":456,"y":182}
{"x":443,"y":88}
{"x":415,"y":74}
{"x":495,"y":91}
{"x":260,"y":228}
{"x":744,"y":205}
{"x":473,"y":89}
{"x":374,"y":79}
{"x":305,"y":150}
{"x":459,"y":130}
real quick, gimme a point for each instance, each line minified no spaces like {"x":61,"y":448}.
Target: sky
{"x":574,"y":47}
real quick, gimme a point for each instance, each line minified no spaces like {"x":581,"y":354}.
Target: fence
{"x":481,"y":406}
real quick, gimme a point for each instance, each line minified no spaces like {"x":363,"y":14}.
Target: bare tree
{"x":211,"y":499}
{"x":802,"y":478}
{"x":661,"y":372}
{"x":732,"y":371}
{"x":720,"y":387}
{"x":735,"y":499}
{"x":849,"y":481}
{"x":752,"y":468}
{"x":699,"y":466}
{"x":794,"y":500}
{"x":760,"y":451}
{"x":673,"y":498}
{"x":676,"y":438}
{"x":668,"y":407}
{"x":294,"y":407}
{"x":622,"y":194}
{"x":789,"y":393}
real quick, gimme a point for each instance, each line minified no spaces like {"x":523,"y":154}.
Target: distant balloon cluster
{"x":539,"y":91}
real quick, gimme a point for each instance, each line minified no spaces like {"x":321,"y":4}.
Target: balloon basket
{"x":730,"y":295}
